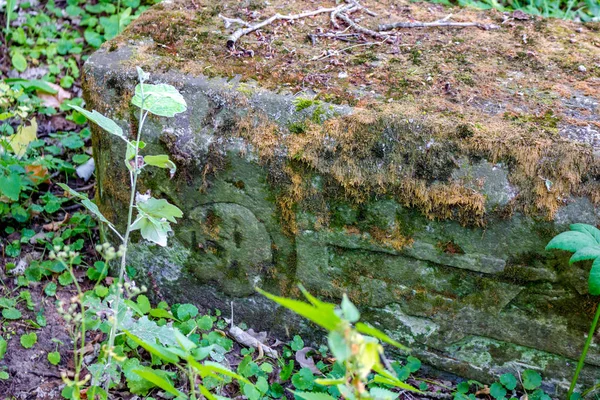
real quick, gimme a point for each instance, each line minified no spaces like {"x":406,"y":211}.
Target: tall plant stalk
{"x":586,"y":347}
{"x":133,"y":176}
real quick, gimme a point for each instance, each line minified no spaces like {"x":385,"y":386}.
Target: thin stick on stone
{"x":230,"y":21}
{"x":235,"y":36}
{"x":359,"y":28}
{"x":441,"y":23}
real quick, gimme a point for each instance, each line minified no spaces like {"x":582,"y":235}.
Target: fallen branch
{"x":235,"y":36}
{"x":441,"y":23}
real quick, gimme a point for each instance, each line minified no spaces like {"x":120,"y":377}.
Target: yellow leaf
{"x":25,"y":135}
{"x":368,"y":358}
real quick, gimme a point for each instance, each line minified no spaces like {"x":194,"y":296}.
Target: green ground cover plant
{"x":580,"y":10}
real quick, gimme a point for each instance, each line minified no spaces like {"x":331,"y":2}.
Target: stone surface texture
{"x":423,"y":177}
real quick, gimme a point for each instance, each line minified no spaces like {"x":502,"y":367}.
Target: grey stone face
{"x":266,"y":204}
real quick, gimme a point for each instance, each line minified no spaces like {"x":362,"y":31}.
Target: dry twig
{"x":341,"y":14}
{"x":440,"y":23}
{"x":235,"y":36}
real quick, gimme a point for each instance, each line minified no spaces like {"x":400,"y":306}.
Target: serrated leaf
{"x":149,"y":331}
{"x":103,"y":122}
{"x":376,"y":333}
{"x":322,"y":316}
{"x":571,"y":241}
{"x":594,"y":278}
{"x":161,"y":99}
{"x":11,"y":313}
{"x":509,"y":381}
{"x":590,"y":230}
{"x":378,"y":393}
{"x":531,"y":379}
{"x":497,"y":391}
{"x":586,"y":253}
{"x":159,"y":351}
{"x":150,"y":375}
{"x":315,"y":395}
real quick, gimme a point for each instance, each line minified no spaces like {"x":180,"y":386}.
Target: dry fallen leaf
{"x":485,"y":390}
{"x":307,"y":362}
{"x":37,"y":173}
{"x":54,"y":100}
{"x":249,"y":341}
{"x":25,"y":135}
{"x":55,"y":225}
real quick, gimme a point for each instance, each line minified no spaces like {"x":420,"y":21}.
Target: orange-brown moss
{"x":437,"y":78}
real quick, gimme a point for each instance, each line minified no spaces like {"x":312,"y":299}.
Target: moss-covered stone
{"x":423,"y":180}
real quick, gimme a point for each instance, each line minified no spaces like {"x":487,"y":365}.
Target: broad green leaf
{"x":103,"y":122}
{"x":316,"y":396}
{"x":531,"y":379}
{"x":11,"y":313}
{"x":571,"y":241}
{"x":28,"y":340}
{"x":251,"y":392}
{"x":54,"y":357}
{"x":185,"y":343}
{"x":376,"y":333}
{"x":35,"y":84}
{"x":161,"y":161}
{"x":509,"y":381}
{"x":413,"y":364}
{"x":350,"y":311}
{"x":162,"y":99}
{"x":159,"y":381}
{"x":159,"y":351}
{"x":338,"y":346}
{"x":594,"y":278}
{"x":160,"y":313}
{"x":149,"y":331}
{"x":19,"y":61}
{"x":130,"y":152}
{"x":586,"y":253}
{"x":322,"y":316}
{"x":218,"y":368}
{"x":590,"y":230}
{"x":143,"y":304}
{"x":497,"y":391}
{"x":10,"y":185}
{"x":152,"y":230}
{"x":160,"y":208}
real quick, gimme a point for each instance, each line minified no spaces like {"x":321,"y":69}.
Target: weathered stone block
{"x":423,"y":177}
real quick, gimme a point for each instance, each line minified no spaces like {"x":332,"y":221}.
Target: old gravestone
{"x":423,"y":175}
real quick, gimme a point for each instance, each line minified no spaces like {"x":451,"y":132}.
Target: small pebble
{"x":582,"y":68}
